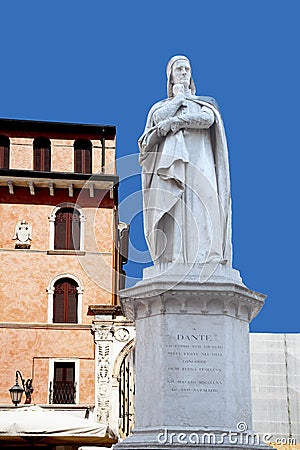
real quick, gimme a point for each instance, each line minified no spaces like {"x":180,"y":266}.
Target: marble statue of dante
{"x":185,"y":175}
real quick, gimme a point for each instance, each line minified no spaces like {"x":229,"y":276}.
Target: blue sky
{"x":104,"y":62}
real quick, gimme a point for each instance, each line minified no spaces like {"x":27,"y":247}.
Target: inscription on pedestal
{"x":195,"y":363}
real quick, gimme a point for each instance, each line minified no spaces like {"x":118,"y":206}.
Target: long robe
{"x":186,"y":187}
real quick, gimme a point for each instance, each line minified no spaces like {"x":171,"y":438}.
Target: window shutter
{"x":87,"y":161}
{"x":45,"y":159}
{"x":61,"y":221}
{"x":2,"y":157}
{"x":6,"y":158}
{"x":4,"y":152}
{"x":78,"y":161}
{"x":71,"y":309}
{"x":42,"y":154}
{"x":70,"y":373}
{"x":58,"y":373}
{"x":83,"y":156}
{"x":37,"y":159}
{"x":65,"y":302}
{"x":67,"y":229}
{"x":74,"y":242}
{"x":58,"y":303}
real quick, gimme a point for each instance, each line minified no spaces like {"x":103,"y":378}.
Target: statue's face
{"x":181,"y":72}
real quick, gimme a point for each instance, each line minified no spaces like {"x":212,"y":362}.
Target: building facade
{"x":61,"y":266}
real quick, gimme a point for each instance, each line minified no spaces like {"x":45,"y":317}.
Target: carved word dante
{"x":194,"y":337}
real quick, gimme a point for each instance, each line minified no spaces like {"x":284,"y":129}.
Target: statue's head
{"x":175,"y":63}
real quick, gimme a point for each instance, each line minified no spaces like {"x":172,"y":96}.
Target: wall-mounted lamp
{"x":16,"y":391}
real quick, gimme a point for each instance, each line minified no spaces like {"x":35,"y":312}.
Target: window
{"x":42,"y":155}
{"x":65,"y":301}
{"x":4,"y":152}
{"x":82,"y":156}
{"x":67,"y":229}
{"x":63,"y":387}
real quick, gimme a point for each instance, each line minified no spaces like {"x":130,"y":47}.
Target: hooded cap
{"x":169,"y":71}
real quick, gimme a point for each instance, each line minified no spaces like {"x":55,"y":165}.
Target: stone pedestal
{"x":192,"y":357}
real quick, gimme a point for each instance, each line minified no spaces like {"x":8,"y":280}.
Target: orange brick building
{"x":60,"y":265}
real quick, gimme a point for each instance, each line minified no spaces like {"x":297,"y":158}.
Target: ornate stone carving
{"x":111,"y":337}
{"x":23,"y":234}
{"x":103,"y":381}
{"x":103,"y":411}
{"x":102,"y":333}
{"x":121,"y":334}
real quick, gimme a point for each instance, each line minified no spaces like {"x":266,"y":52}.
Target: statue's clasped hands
{"x":172,"y":123}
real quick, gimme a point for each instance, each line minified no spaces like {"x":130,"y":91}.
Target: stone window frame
{"x":52,"y":218}
{"x":51,"y":289}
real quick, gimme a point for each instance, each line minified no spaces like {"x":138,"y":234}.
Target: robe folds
{"x":186,"y":186}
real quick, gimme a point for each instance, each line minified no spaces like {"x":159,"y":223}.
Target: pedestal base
{"x":183,"y":438}
{"x":176,"y":273}
{"x":192,"y":357}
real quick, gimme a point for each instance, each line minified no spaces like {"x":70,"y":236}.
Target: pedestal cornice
{"x":152,"y":297}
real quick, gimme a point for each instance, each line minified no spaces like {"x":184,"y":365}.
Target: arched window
{"x":4,"y":152}
{"x":65,"y":293}
{"x":65,"y":301}
{"x":42,"y":154}
{"x":67,"y":229}
{"x":67,"y":222}
{"x":82,"y":156}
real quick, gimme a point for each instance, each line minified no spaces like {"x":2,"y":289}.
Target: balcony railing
{"x":62,"y":392}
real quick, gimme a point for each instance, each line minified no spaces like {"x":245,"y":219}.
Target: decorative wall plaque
{"x":23,"y":234}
